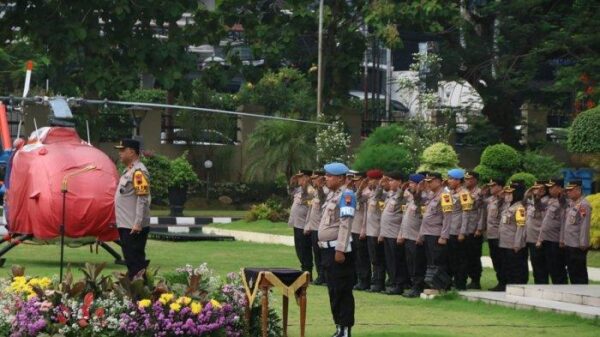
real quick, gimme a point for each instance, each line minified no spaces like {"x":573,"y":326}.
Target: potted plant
{"x":182,"y":176}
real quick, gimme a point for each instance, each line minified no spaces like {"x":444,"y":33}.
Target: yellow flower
{"x":196,"y":308}
{"x":165,"y":298}
{"x":215,"y":304}
{"x":144,"y":303}
{"x":184,"y":300}
{"x":175,"y":307}
{"x":19,"y":279}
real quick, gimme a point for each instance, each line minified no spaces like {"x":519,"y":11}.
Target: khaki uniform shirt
{"x":433,"y":217}
{"x":315,"y":209}
{"x":374,"y":208}
{"x":391,"y":217}
{"x":131,"y":208}
{"x":512,"y":227}
{"x":472,"y":206}
{"x":336,"y":220}
{"x":552,"y":223}
{"x":299,"y":210}
{"x":411,"y":220}
{"x":453,"y":214}
{"x":359,"y":223}
{"x":535,"y":215}
{"x":577,"y":224}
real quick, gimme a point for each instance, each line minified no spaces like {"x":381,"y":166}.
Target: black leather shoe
{"x":412,"y":293}
{"x":376,"y":289}
{"x":337,"y":331}
{"x":318,"y":281}
{"x":394,"y":291}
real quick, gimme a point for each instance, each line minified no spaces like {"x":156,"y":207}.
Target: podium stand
{"x":290,"y":282}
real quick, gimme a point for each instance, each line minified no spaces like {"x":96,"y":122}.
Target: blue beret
{"x":456,"y":174}
{"x":416,"y":178}
{"x":336,"y":169}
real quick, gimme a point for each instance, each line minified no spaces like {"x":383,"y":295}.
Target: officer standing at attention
{"x":336,"y":252}
{"x":409,"y":233}
{"x":359,"y":233}
{"x":391,"y":219}
{"x":536,"y":201}
{"x":374,"y":207}
{"x":433,"y":235}
{"x":577,"y":233}
{"x":512,"y":235}
{"x":299,"y":186}
{"x":132,"y":207}
{"x":453,"y":212}
{"x":551,"y":232}
{"x":315,"y":211}
{"x":471,"y":230}
{"x":494,"y":204}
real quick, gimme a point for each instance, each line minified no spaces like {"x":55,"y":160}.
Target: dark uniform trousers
{"x":303,"y":246}
{"x":514,"y":266}
{"x":576,"y":265}
{"x":363,"y":262}
{"x":457,"y":262}
{"x":377,"y":255}
{"x":496,"y":256}
{"x":416,"y":263}
{"x":134,"y":249}
{"x":395,"y":261}
{"x":436,"y":254}
{"x":538,"y":263}
{"x":555,"y":262}
{"x":473,"y":247}
{"x":341,"y":278}
{"x":314,"y":237}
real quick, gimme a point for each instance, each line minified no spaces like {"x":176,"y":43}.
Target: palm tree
{"x":279,"y":147}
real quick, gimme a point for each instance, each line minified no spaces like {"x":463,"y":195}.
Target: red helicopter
{"x":59,"y":186}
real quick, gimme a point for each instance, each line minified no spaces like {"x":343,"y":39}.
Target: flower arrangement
{"x":98,"y":307}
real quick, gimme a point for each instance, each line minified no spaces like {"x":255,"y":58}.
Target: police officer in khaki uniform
{"x":374,"y":208}
{"x":512,"y":235}
{"x":409,"y":234}
{"x":318,"y":193}
{"x":359,"y":233}
{"x":471,"y":230}
{"x":551,"y":232}
{"x":577,"y":233}
{"x":453,"y":212}
{"x":132,"y":207}
{"x":391,"y":219}
{"x":494,"y":206}
{"x":336,"y":250}
{"x":536,"y":201}
{"x":299,"y":187}
{"x":434,"y":233}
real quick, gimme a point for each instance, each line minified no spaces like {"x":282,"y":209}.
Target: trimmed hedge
{"x":501,"y":157}
{"x":528,"y":178}
{"x":540,"y":165}
{"x":486,"y":173}
{"x":387,"y":157}
{"x":584,"y":134}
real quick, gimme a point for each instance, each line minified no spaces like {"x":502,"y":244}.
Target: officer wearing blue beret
{"x":336,"y":250}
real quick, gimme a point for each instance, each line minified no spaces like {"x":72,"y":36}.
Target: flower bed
{"x":189,"y":302}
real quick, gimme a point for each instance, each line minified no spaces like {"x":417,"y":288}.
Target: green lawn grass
{"x":377,"y":315}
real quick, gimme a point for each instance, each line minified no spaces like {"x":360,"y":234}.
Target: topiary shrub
{"x":159,"y":169}
{"x":594,"y":200}
{"x":486,"y":173}
{"x":390,"y":134}
{"x":528,"y":178}
{"x":438,"y":157}
{"x":501,"y":157}
{"x":540,"y":165}
{"x":584,"y":134}
{"x":387,"y":157}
